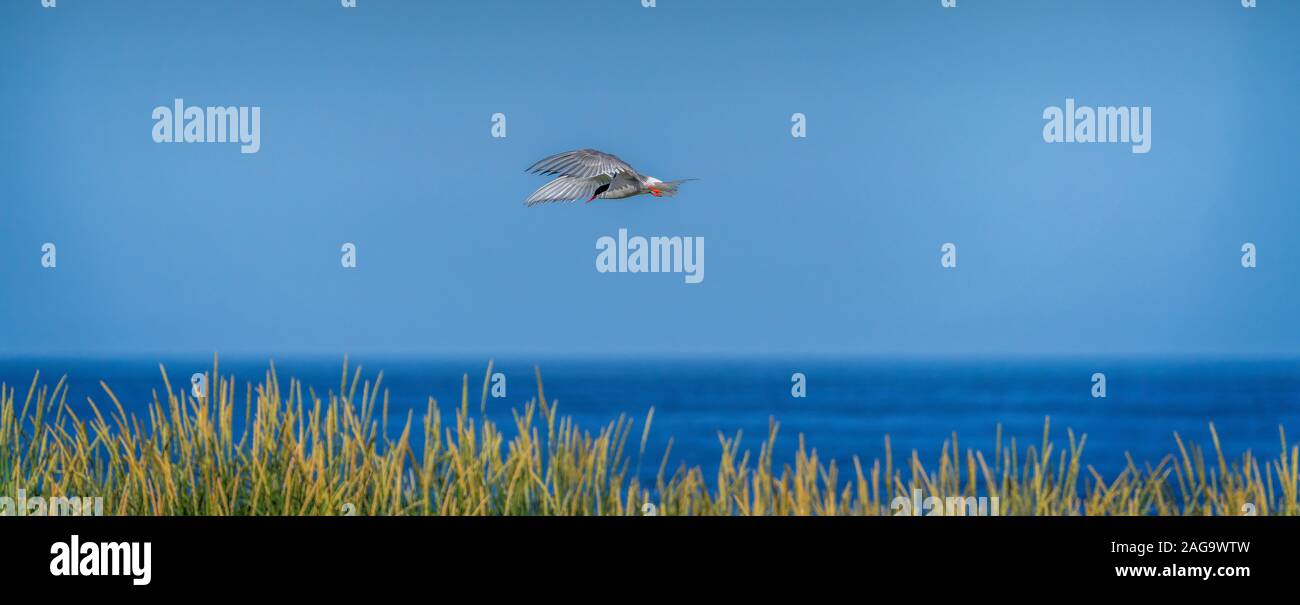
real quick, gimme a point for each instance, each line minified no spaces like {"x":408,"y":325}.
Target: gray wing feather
{"x":564,"y":189}
{"x":582,"y":163}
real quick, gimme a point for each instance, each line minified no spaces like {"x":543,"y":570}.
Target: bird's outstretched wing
{"x":582,"y":163}
{"x":601,"y":186}
{"x":566,"y":189}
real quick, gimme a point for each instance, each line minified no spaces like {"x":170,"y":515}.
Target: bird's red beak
{"x":656,"y":193}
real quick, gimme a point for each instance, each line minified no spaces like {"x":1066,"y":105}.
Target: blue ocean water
{"x":851,"y":404}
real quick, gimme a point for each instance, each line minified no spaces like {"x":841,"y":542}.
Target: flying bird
{"x":589,"y":174}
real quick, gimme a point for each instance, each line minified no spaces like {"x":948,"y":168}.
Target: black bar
{"x":319,"y":555}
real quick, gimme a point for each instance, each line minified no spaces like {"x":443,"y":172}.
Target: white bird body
{"x":590,"y":174}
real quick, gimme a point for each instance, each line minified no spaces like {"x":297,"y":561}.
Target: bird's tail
{"x":669,"y":188}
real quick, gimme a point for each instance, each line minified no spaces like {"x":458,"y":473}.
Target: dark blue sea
{"x":851,"y":404}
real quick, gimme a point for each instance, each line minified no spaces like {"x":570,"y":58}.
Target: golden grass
{"x":304,"y":454}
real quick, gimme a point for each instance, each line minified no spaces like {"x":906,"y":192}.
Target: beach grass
{"x":303,"y":453}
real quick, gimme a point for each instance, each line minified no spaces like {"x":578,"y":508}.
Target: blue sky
{"x":924,"y":127}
